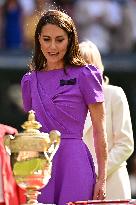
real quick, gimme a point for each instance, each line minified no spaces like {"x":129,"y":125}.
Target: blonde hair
{"x":91,"y":55}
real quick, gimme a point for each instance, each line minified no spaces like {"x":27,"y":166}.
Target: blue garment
{"x":13,"y":33}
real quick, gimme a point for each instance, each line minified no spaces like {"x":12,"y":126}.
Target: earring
{"x":45,"y":66}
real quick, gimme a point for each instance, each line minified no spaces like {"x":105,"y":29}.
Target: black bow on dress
{"x":68,"y":82}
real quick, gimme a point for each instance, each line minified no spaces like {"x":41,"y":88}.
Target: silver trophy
{"x":31,"y":153}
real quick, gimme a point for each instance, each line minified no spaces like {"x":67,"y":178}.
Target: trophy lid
{"x":31,"y":139}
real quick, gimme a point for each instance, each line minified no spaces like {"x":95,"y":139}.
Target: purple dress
{"x":60,"y":102}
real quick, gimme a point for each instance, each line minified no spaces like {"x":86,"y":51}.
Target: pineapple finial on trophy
{"x":31,"y":125}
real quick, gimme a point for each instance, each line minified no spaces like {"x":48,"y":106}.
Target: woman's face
{"x":54,"y":43}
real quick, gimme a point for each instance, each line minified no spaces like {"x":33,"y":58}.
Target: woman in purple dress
{"x":60,"y":89}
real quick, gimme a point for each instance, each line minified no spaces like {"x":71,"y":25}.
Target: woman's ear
{"x":39,"y":38}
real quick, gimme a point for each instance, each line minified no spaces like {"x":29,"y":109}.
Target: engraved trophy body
{"x":31,"y":153}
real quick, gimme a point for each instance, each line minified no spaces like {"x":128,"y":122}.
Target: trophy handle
{"x":54,"y":136}
{"x":7,"y":143}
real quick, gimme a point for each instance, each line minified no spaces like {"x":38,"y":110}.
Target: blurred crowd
{"x":110,"y":24}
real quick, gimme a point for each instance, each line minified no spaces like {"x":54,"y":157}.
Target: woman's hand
{"x":100,"y":190}
{"x":5,"y":129}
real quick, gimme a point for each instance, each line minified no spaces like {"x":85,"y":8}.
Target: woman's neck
{"x":54,"y":66}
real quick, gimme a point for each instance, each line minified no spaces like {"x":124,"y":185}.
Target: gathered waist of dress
{"x":77,"y":136}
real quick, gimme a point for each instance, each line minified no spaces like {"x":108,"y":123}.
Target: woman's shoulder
{"x":89,"y":68}
{"x":86,"y":71}
{"x":91,"y":73}
{"x":27,"y":76}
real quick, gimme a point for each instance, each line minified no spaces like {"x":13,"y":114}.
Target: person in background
{"x":58,"y":88}
{"x":119,"y":130}
{"x":12,"y":18}
{"x":99,"y":21}
{"x":10,"y":193}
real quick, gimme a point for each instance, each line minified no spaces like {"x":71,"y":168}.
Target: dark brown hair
{"x":65,"y":22}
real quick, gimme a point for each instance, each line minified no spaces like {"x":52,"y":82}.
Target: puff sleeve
{"x":26,"y":92}
{"x":90,"y":83}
